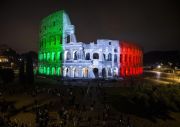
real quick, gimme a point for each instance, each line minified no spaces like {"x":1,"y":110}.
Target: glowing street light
{"x":159,"y":66}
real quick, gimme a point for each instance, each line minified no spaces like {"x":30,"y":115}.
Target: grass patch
{"x":148,"y":102}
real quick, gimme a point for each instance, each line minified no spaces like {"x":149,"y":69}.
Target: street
{"x":162,"y":77}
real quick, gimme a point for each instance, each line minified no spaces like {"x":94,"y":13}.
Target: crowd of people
{"x":75,"y":106}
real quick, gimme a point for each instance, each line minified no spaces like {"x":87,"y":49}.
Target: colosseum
{"x":60,"y":54}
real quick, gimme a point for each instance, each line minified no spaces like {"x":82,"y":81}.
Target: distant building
{"x":61,"y":55}
{"x":8,"y":57}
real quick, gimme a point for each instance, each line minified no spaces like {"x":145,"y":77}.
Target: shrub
{"x":7,"y":75}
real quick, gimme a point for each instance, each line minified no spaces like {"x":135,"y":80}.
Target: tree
{"x":29,"y":69}
{"x":21,"y":72}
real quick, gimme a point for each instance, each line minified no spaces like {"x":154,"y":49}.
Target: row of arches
{"x":80,"y":55}
{"x":79,"y":72}
{"x":129,"y":71}
{"x":53,"y":56}
{"x":50,"y":70}
{"x":89,"y":73}
{"x":109,"y":72}
{"x":75,"y":55}
{"x":130,"y":59}
{"x":76,"y":72}
{"x":51,"y":41}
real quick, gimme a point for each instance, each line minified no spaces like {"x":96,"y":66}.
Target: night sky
{"x":154,"y":24}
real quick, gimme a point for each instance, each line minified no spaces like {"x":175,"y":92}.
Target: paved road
{"x":162,"y":77}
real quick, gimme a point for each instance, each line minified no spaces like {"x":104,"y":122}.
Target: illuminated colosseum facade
{"x":61,"y":55}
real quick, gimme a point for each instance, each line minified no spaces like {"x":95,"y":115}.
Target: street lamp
{"x":159,"y":66}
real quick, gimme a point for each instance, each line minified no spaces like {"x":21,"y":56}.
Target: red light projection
{"x":131,"y":59}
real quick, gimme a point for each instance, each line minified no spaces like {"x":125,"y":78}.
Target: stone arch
{"x":81,"y":54}
{"x":109,"y":57}
{"x":40,"y":70}
{"x":58,"y":72}
{"x":115,"y":58}
{"x":96,"y":72}
{"x":115,"y":50}
{"x":44,"y":56}
{"x":68,"y":39}
{"x":61,"y":56}
{"x":115,"y":72}
{"x":73,"y":72}
{"x":85,"y":72}
{"x":95,"y":55}
{"x":53,"y":71}
{"x":48,"y":56}
{"x":76,"y":74}
{"x":80,"y":72}
{"x":104,"y":56}
{"x":104,"y":73}
{"x":67,"y":55}
{"x":53,"y":56}
{"x":109,"y":72}
{"x":66,"y":72}
{"x":44,"y":70}
{"x":48,"y":70}
{"x":58,"y":56}
{"x":75,"y":55}
{"x":88,"y":56}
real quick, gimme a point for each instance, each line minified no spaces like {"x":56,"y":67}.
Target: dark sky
{"x":154,"y":24}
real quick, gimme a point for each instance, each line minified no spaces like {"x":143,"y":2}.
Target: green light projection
{"x":51,"y":44}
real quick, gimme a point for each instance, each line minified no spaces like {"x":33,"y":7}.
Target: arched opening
{"x":109,"y":72}
{"x":53,"y":56}
{"x":115,"y":50}
{"x":66,"y":72}
{"x":115,"y":72}
{"x":58,"y":56}
{"x":58,"y":72}
{"x":109,"y":57}
{"x":40,"y":56}
{"x":96,"y":72}
{"x":48,"y":56}
{"x":44,"y":72}
{"x":60,"y":39}
{"x":75,"y":55}
{"x":61,"y":56}
{"x":87,"y":56}
{"x":53,"y":71}
{"x":68,"y":55}
{"x":125,"y":58}
{"x":73,"y":72}
{"x":48,"y":70}
{"x":104,"y":75}
{"x":122,"y":72}
{"x":76,"y":72}
{"x":68,"y":39}
{"x":95,"y":56}
{"x":115,"y":58}
{"x":81,"y":54}
{"x":104,"y":56}
{"x":121,"y":58}
{"x":126,"y":72}
{"x":40,"y":70}
{"x":44,"y":56}
{"x":85,"y":72}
